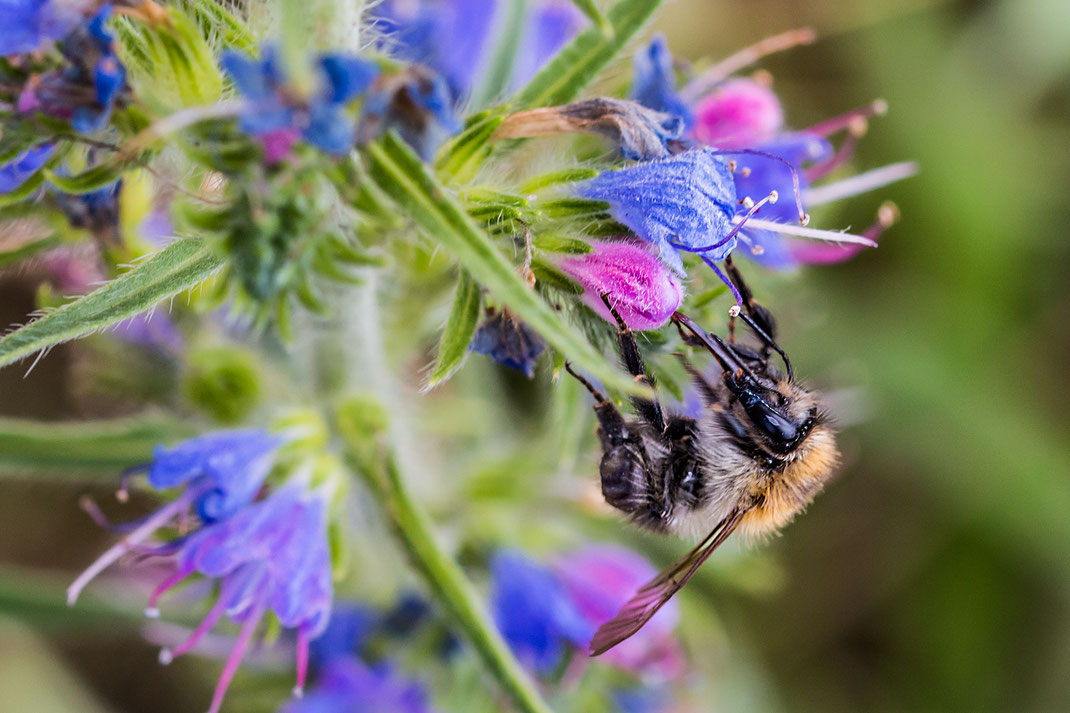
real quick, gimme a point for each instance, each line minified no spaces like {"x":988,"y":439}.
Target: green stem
{"x":377,"y":465}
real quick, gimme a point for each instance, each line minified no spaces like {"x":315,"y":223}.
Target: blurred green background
{"x":934,"y":574}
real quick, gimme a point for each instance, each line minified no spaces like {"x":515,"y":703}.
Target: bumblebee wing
{"x":655,"y":593}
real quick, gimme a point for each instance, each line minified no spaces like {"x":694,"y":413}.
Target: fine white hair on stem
{"x":832,"y":236}
{"x":862,"y":183}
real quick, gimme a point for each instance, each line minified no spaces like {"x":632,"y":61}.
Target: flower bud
{"x":642,"y":289}
{"x":737,"y":114}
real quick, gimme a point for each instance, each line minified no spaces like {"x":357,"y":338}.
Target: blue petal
{"x":266,"y":116}
{"x":16,"y":172}
{"x":766,"y":174}
{"x":508,"y":342}
{"x":347,"y":76}
{"x":328,"y":128}
{"x":254,"y":79}
{"x":683,"y":202}
{"x":533,"y":612}
{"x":27,"y":23}
{"x":348,"y":630}
{"x":108,"y":79}
{"x":654,"y":83}
{"x":98,"y":29}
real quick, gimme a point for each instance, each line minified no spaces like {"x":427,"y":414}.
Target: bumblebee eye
{"x":781,"y":432}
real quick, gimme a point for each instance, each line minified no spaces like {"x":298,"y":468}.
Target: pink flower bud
{"x":737,"y":114}
{"x":641,"y":288}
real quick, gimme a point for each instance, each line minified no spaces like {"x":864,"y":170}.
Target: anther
{"x":166,"y":657}
{"x":733,"y":311}
{"x":152,"y":613}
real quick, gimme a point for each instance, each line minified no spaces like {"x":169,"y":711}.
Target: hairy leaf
{"x":561,"y":80}
{"x":180,"y":266}
{"x":461,"y":325}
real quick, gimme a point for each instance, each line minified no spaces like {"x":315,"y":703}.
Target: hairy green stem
{"x":362,"y":425}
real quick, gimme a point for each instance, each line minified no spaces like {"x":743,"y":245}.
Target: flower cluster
{"x":267,"y":550}
{"x":544,"y":611}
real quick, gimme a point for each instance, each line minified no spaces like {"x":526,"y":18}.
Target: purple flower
{"x":277,"y":118}
{"x":27,"y":24}
{"x":267,"y":555}
{"x":350,"y":626}
{"x":348,"y":685}
{"x":683,"y":202}
{"x":599,"y":580}
{"x":740,"y":113}
{"x":223,"y":471}
{"x":534,"y":612}
{"x":19,"y":169}
{"x":86,"y":90}
{"x":654,"y":83}
{"x":509,"y":342}
{"x":643,"y":291}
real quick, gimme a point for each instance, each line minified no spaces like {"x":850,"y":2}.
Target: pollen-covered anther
{"x":773,"y":197}
{"x":733,"y":311}
{"x":747,"y":202}
{"x":762,"y":77}
{"x":165,"y":657}
{"x":152,"y":612}
{"x":298,"y":691}
{"x":888,"y":214}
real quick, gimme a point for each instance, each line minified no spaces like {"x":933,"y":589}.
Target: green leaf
{"x":558,"y":243}
{"x":29,"y":249}
{"x":569,"y":175}
{"x":548,"y":275}
{"x":461,"y":325}
{"x":87,"y":181}
{"x":588,"y":8}
{"x":581,"y":60}
{"x":180,"y":266}
{"x":24,"y":191}
{"x":102,"y":448}
{"x":510,"y":36}
{"x":458,"y":159}
{"x":402,"y":176}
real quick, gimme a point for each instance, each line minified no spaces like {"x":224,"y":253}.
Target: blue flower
{"x":654,"y":83}
{"x":223,"y":470}
{"x":19,"y":169}
{"x":29,"y":23}
{"x":96,"y":211}
{"x":534,"y":612}
{"x":348,"y":685}
{"x":683,"y":202}
{"x":454,"y":39}
{"x":86,"y":90}
{"x":417,"y":104}
{"x":350,"y":627}
{"x":274,"y":115}
{"x":449,"y":37}
{"x":509,"y":342}
{"x":269,"y":555}
{"x":551,"y":24}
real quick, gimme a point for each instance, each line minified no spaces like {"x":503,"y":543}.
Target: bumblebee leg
{"x":648,"y":409}
{"x":758,"y":318}
{"x":612,"y":429}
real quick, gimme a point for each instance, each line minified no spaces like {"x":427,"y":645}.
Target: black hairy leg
{"x":648,"y":409}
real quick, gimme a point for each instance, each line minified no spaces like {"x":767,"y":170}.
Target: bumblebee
{"x":760,"y":451}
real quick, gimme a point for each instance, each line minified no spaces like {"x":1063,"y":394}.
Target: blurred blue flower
{"x":348,"y":685}
{"x":19,"y":169}
{"x":600,"y":579}
{"x":268,"y":555}
{"x":534,"y":612}
{"x":222,"y":471}
{"x":550,"y":25}
{"x":455,"y":38}
{"x":350,"y":626}
{"x":447,"y":36}
{"x":654,"y":83}
{"x":86,"y":90}
{"x":417,"y":104}
{"x":27,"y":24}
{"x":96,"y":211}
{"x":509,"y":342}
{"x":683,"y":202}
{"x":275,"y":116}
